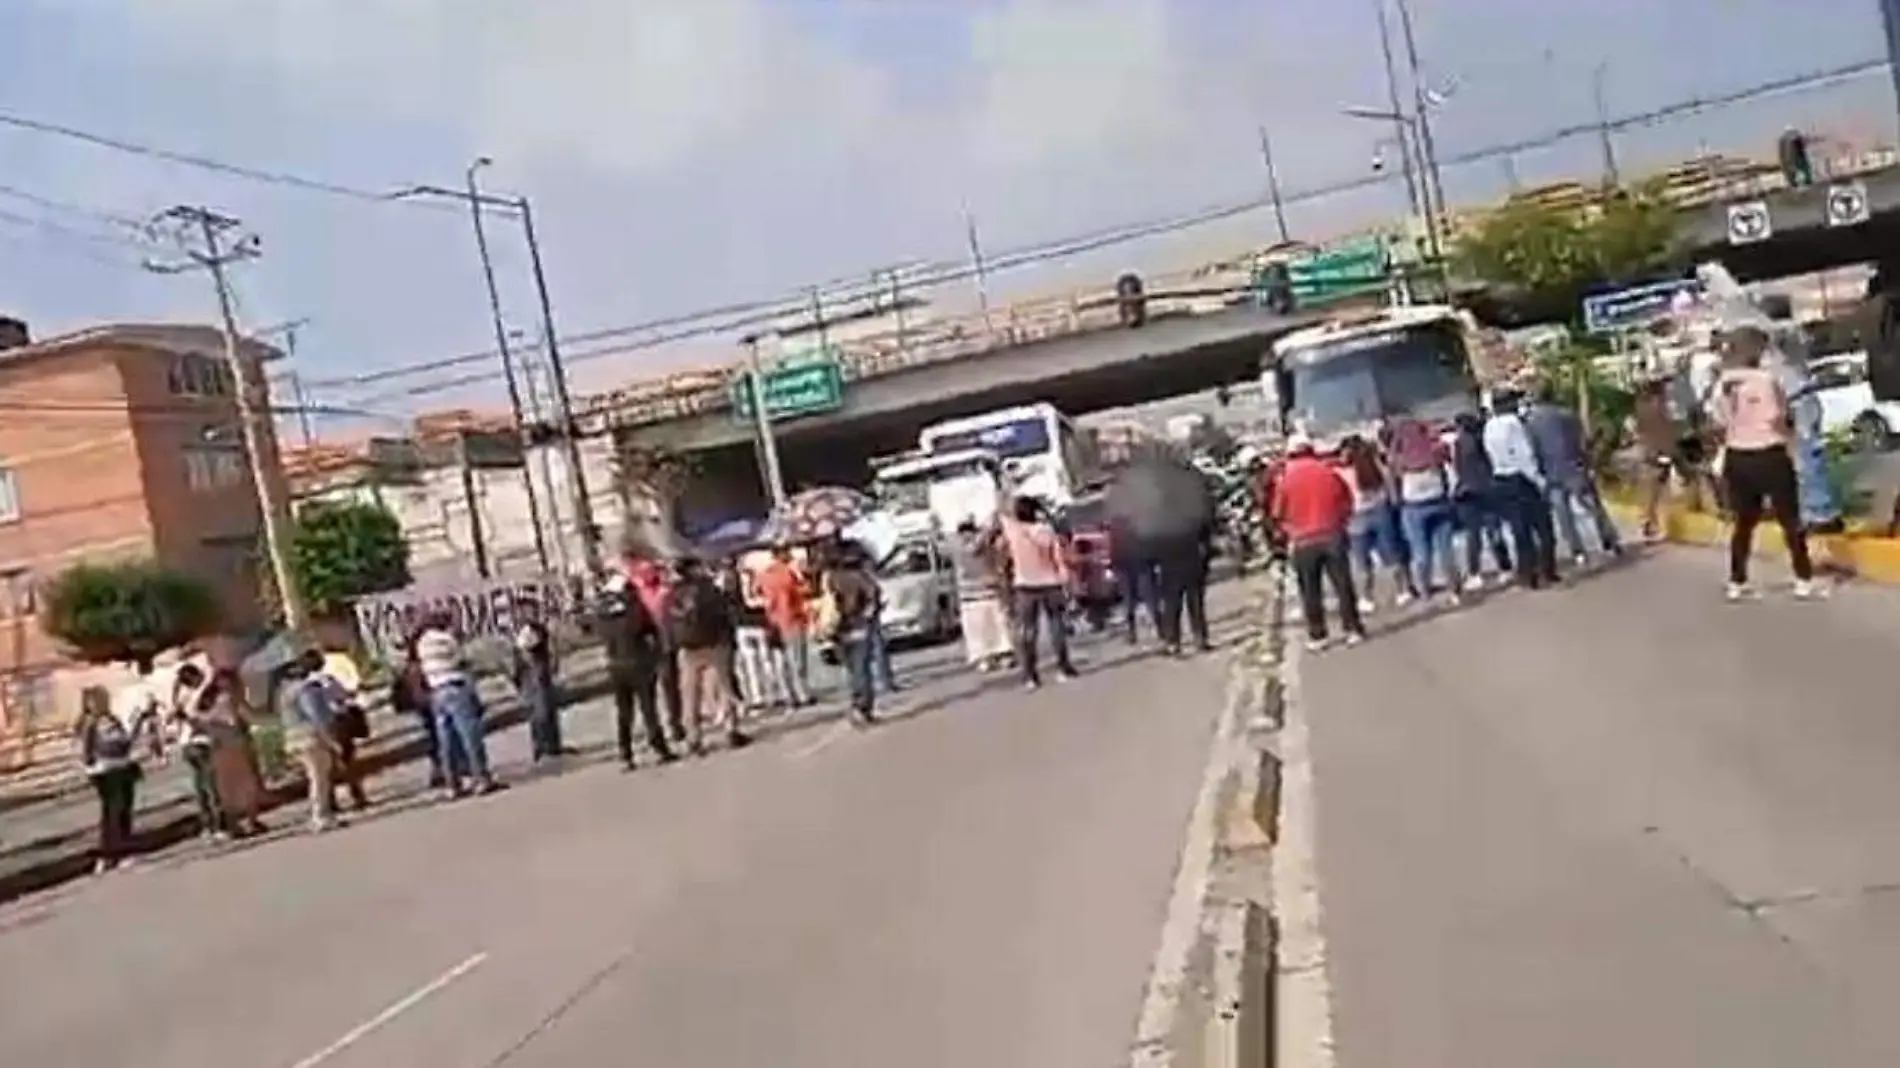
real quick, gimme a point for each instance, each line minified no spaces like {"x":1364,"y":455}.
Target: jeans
{"x":543,"y":702}
{"x":636,"y":686}
{"x":1140,"y":589}
{"x":460,"y":733}
{"x":1315,"y":564}
{"x":704,"y":689}
{"x":1533,"y":537}
{"x":1183,"y":588}
{"x":881,"y":657}
{"x":1481,"y":523}
{"x":117,"y":789}
{"x":1033,"y":606}
{"x":671,"y":695}
{"x":1428,"y":534}
{"x":432,"y":730}
{"x":1375,"y":533}
{"x":1564,"y":502}
{"x":204,"y":788}
{"x":857,"y":650}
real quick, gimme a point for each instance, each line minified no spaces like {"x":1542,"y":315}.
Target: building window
{"x":196,"y":375}
{"x":26,"y":700}
{"x":212,"y":467}
{"x":9,"y":496}
{"x":19,"y":593}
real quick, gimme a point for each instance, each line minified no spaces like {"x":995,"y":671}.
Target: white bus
{"x":1354,"y":373}
{"x":1041,"y":449}
{"x":950,"y":487}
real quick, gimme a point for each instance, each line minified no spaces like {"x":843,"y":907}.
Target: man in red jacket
{"x":1312,"y":505}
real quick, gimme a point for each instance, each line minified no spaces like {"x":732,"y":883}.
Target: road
{"x":1621,"y":823}
{"x":980,"y":881}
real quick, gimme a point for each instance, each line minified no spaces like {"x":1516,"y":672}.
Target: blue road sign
{"x":1629,"y":309}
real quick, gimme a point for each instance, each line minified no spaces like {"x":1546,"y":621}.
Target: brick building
{"x":116,"y":441}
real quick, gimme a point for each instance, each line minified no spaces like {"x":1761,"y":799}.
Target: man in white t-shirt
{"x":139,"y":707}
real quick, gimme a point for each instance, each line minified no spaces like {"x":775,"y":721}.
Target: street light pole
{"x":563,"y":400}
{"x":1273,"y":183}
{"x":475,"y":202}
{"x":1611,"y":176}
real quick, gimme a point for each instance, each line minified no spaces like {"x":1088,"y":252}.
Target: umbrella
{"x":818,"y":514}
{"x":1157,"y":503}
{"x":730,"y":538}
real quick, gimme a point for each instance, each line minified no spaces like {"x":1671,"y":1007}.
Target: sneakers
{"x":1737,"y":592}
{"x":1367,"y":606}
{"x":1318,"y":645}
{"x":1809,"y":590}
{"x":1474,"y":584}
{"x":1353,"y":639}
{"x":1404,"y":598}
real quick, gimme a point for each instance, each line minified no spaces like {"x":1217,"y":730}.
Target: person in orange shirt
{"x":787,"y":607}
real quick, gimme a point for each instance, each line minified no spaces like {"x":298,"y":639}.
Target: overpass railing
{"x":924,"y":343}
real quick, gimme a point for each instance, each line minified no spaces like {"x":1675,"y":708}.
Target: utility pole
{"x":1890,"y":25}
{"x":818,"y":322}
{"x":1273,"y":183}
{"x":212,"y":242}
{"x":507,"y":359}
{"x":478,"y":542}
{"x":762,"y":423}
{"x":1421,"y":115}
{"x":291,"y":377}
{"x":472,"y":195}
{"x":1400,"y":127}
{"x":1611,"y":177}
{"x":564,"y":402}
{"x":531,"y":368}
{"x":976,"y":264}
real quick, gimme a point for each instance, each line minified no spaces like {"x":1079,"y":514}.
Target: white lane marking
{"x":410,"y":1001}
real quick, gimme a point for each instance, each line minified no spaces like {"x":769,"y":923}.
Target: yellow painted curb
{"x":1868,"y":556}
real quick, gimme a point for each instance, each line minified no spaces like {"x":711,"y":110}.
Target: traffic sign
{"x":1748,"y":223}
{"x":1629,"y":309}
{"x":1847,"y":204}
{"x":810,"y":385}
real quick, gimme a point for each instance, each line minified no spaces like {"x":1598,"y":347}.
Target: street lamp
{"x":519,"y":206}
{"x":1406,"y":136}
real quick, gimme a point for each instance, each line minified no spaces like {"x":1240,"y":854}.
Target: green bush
{"x":127,"y":612}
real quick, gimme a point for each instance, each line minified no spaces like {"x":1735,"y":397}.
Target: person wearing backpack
{"x":700,"y":626}
{"x":635,"y":653}
{"x":105,"y":750}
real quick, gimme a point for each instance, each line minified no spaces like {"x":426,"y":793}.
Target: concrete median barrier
{"x":1867,"y":554}
{"x":1209,"y":1001}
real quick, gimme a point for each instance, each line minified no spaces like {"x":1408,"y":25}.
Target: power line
{"x":41,"y":200}
{"x":941,"y":273}
{"x":188,"y":159}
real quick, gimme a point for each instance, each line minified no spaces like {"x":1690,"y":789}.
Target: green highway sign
{"x":811,"y":384}
{"x":1348,"y":270}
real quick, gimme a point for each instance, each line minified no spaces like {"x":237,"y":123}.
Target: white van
{"x":919,"y":587}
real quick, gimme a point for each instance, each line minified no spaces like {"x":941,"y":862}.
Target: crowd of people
{"x":1512,"y":482}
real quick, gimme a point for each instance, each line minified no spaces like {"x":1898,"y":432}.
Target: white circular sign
{"x":1847,"y":204}
{"x":1749,"y":223}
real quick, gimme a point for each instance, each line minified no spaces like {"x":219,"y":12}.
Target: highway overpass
{"x":1800,"y":238}
{"x":1174,"y":353}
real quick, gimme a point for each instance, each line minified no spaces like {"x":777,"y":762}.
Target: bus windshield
{"x":1417,"y":371}
{"x":1012,"y":440}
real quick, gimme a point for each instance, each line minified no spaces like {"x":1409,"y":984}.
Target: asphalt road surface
{"x":1622,"y":823}
{"x":980,"y":881}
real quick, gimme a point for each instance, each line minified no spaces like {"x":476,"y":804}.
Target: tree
{"x":128,"y":612}
{"x":343,"y":550}
{"x":1553,"y":253}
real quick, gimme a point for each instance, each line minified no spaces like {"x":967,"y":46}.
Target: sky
{"x":683,"y":154}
